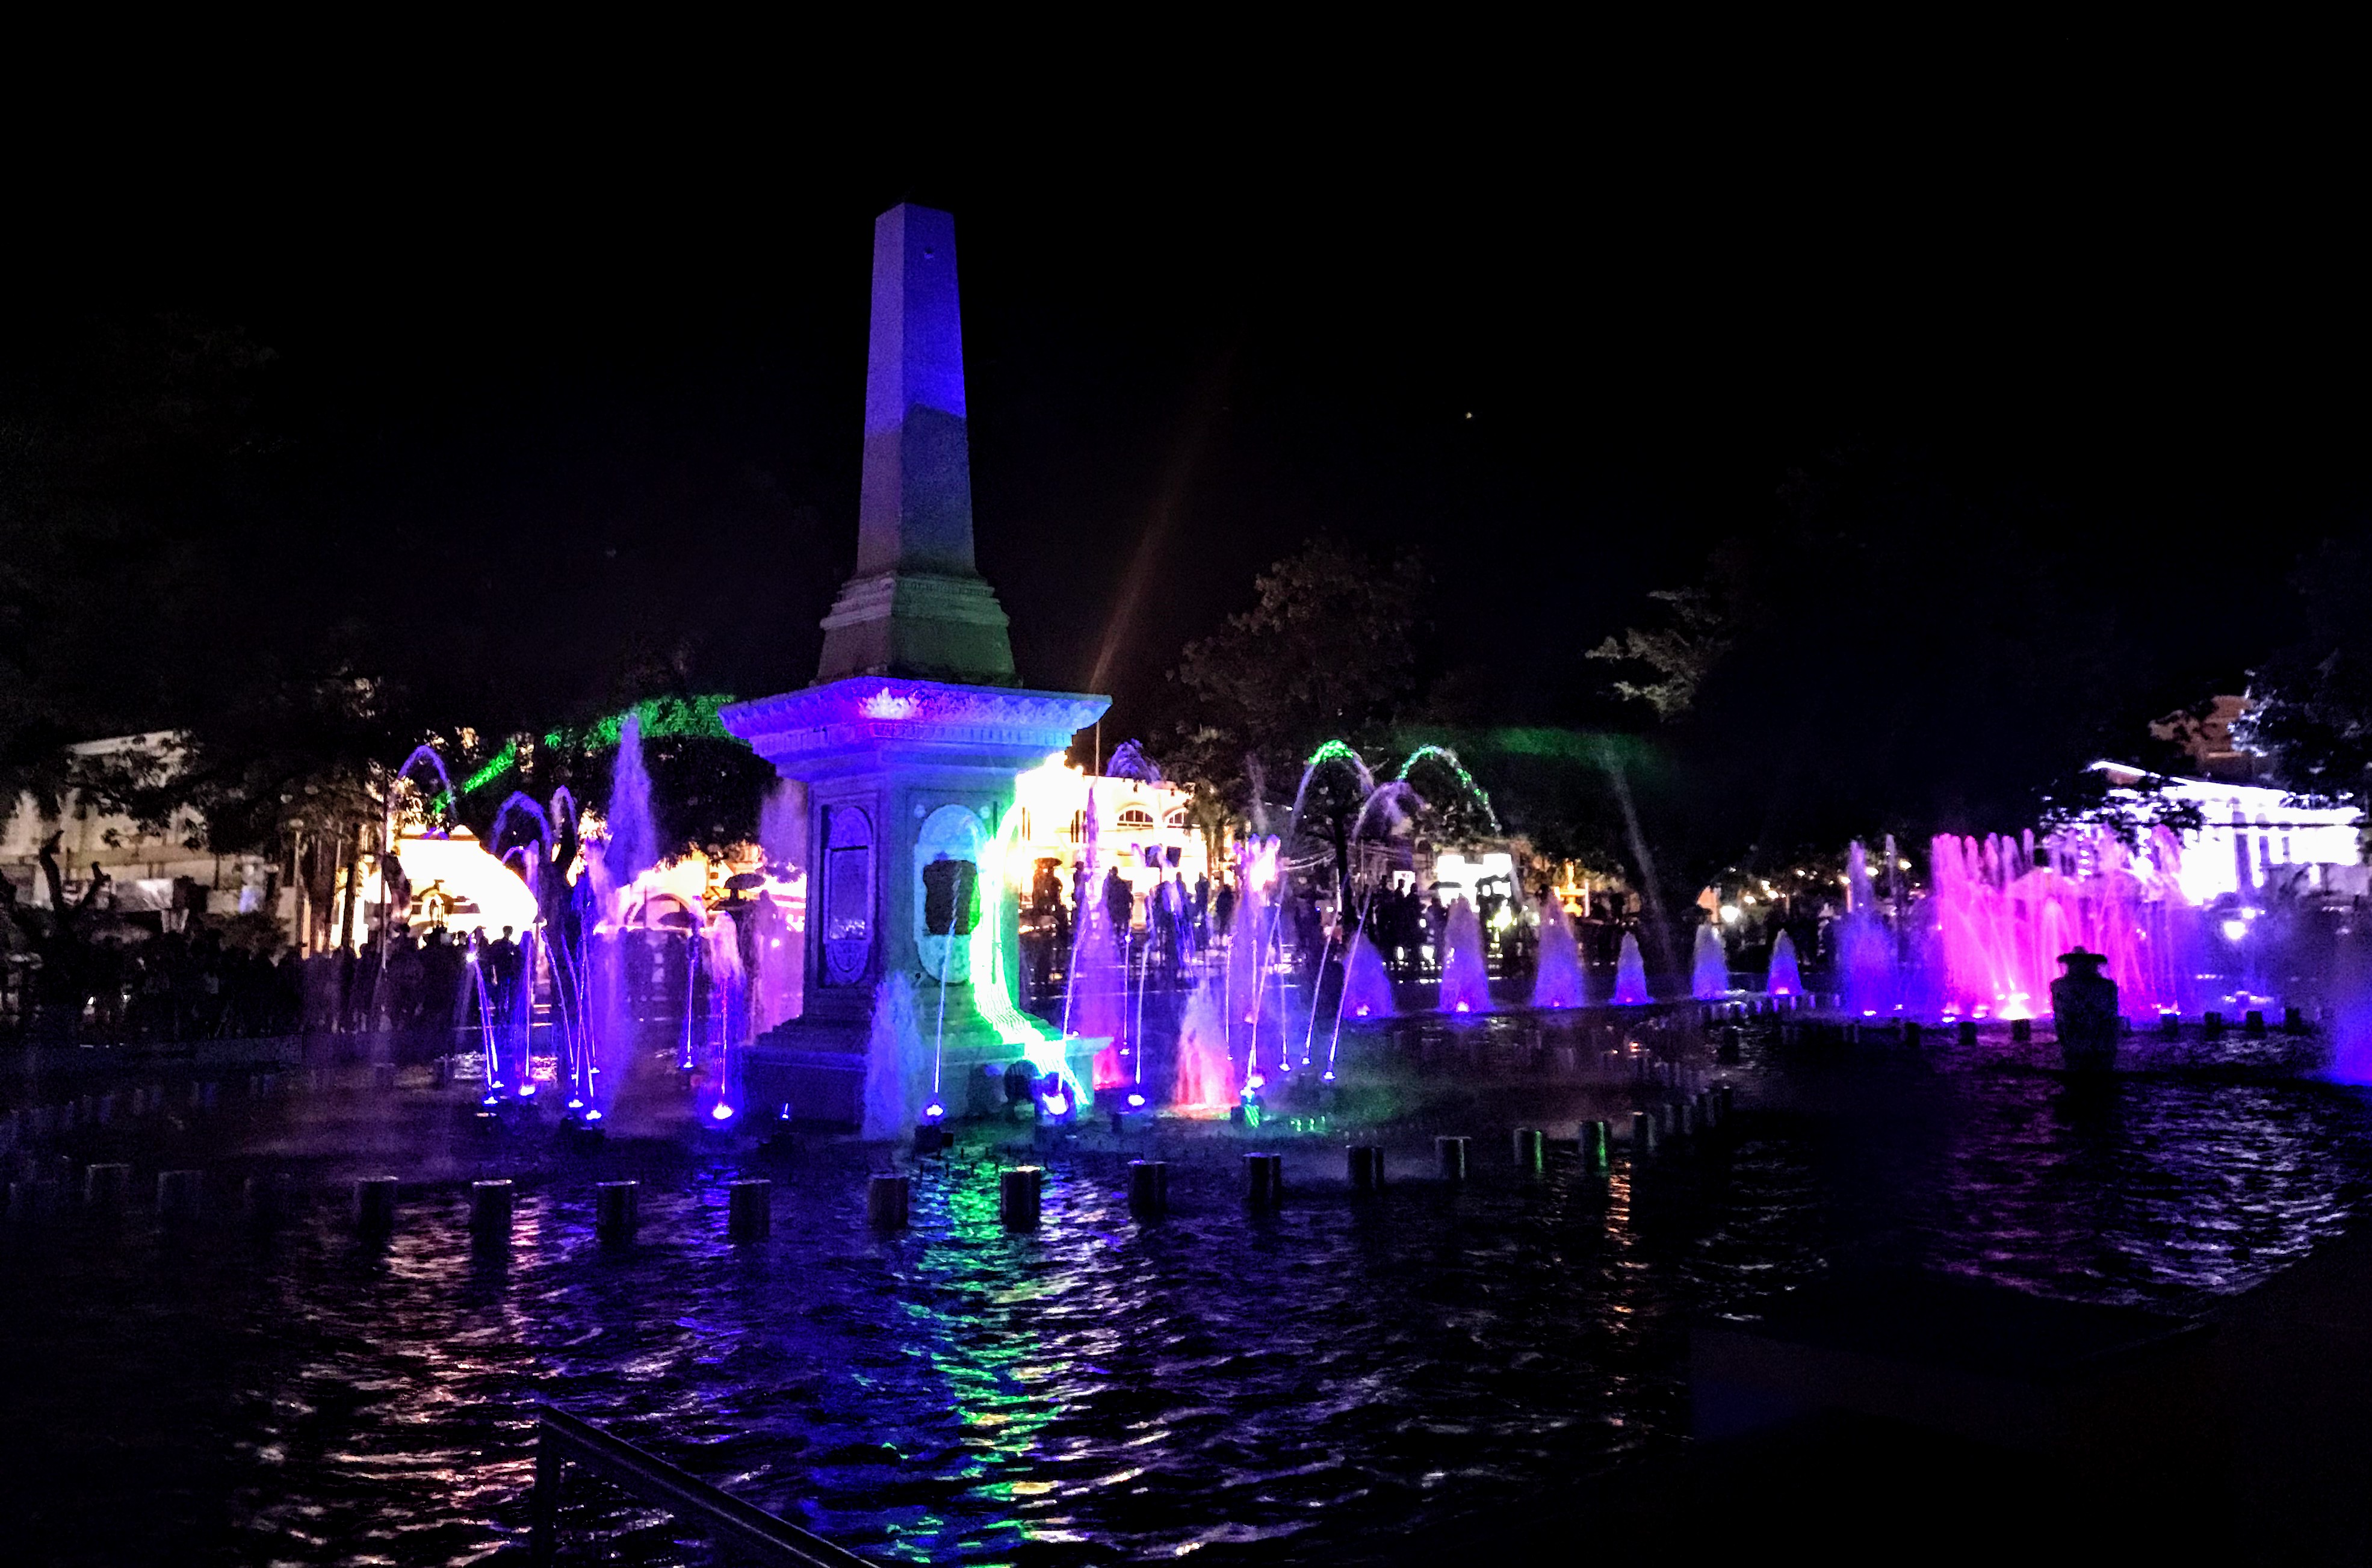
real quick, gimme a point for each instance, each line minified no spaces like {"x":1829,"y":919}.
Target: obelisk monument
{"x":917,"y":605}
{"x":910,"y":739}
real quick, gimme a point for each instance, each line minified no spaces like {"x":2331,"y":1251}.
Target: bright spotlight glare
{"x":723,"y":1113}
{"x":2235,"y":929}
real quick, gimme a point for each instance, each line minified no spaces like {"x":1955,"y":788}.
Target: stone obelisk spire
{"x":917,"y":607}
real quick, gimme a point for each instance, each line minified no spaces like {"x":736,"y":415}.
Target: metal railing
{"x":562,"y":1440}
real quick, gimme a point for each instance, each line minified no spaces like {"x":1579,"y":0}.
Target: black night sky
{"x":546,"y":432}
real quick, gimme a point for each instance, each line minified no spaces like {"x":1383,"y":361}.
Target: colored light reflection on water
{"x":1296,"y":1383}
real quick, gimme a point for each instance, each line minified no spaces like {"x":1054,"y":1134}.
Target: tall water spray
{"x":2005,"y":913}
{"x":1868,"y":972}
{"x":1709,"y":972}
{"x":634,"y":841}
{"x":1465,"y":983}
{"x":727,"y":1018}
{"x":896,"y":1062}
{"x":1631,"y":975}
{"x":1095,"y":988}
{"x":1784,"y":979}
{"x":1206,"y":1081}
{"x":1558,"y":982}
{"x":1255,"y":1022}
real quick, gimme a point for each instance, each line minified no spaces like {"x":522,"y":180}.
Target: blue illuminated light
{"x":1135,"y":1101}
{"x":592,"y":1116}
{"x":723,"y":1112}
{"x":527,"y":1091}
{"x":934,"y":1111}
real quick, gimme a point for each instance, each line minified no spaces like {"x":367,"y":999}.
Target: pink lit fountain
{"x":2005,"y":913}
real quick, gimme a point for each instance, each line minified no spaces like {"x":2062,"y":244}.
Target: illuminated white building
{"x":2255,"y":843}
{"x":1133,"y":816}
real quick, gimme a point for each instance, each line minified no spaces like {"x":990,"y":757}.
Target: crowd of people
{"x":79,"y":969}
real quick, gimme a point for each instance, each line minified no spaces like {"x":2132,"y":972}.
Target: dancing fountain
{"x":1784,"y":979}
{"x":1465,"y":983}
{"x":1709,"y":973}
{"x":1631,"y":975}
{"x":1557,"y":982}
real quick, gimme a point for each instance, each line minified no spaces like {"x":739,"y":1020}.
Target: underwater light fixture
{"x":1135,"y":1100}
{"x":723,"y":1112}
{"x":592,"y":1116}
{"x":935,"y":1110}
{"x":527,"y":1091}
{"x":1328,"y":1077}
{"x":2235,"y":929}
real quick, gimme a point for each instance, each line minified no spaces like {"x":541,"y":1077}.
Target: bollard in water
{"x":1910,"y":1031}
{"x":616,"y":1211}
{"x":2169,"y":1025}
{"x":382,"y":1075}
{"x":749,"y":1211}
{"x":490,"y":1213}
{"x":1642,"y":1133}
{"x":1531,"y":1149}
{"x":1148,"y":1187}
{"x":1595,"y":1158}
{"x":2293,"y":1022}
{"x":179,"y":1195}
{"x":107,"y":1188}
{"x":1449,"y":1153}
{"x":1968,"y":1031}
{"x":1366,"y":1166}
{"x":1733,"y":1043}
{"x":1019,"y":1194}
{"x":1263,"y":1179}
{"x":1683,"y":1120}
{"x":2253,"y":1024}
{"x":1706,"y":1111}
{"x":887,"y":1200}
{"x":375,"y":1205}
{"x":2021,"y":1030}
{"x":2213,"y":1023}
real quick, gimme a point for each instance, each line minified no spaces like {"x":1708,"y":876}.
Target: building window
{"x":1136,"y":818}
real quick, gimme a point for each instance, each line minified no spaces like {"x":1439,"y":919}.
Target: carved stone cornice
{"x":868,"y":722}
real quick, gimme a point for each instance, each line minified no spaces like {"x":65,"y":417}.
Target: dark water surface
{"x":1224,"y":1385}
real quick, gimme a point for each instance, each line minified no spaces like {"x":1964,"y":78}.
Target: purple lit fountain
{"x":1868,"y":975}
{"x":1631,"y":975}
{"x":1367,"y":988}
{"x":1784,"y":978}
{"x":1558,"y":981}
{"x":1465,"y":983}
{"x":1709,"y":975}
